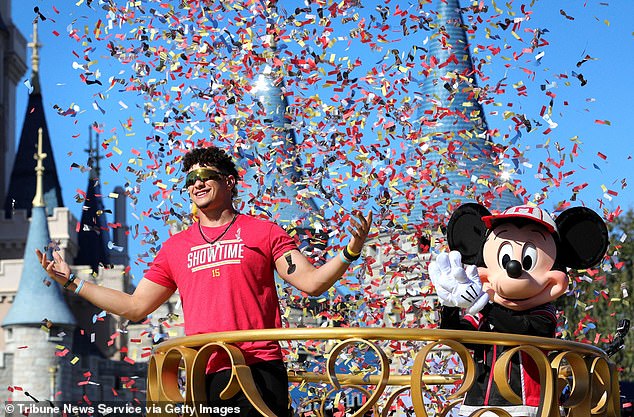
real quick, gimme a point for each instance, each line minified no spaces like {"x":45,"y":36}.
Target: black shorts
{"x":271,"y":380}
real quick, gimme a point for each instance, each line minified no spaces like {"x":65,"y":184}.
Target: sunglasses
{"x":202,"y":174}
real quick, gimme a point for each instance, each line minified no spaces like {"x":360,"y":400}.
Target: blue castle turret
{"x":39,"y":319}
{"x":38,"y":297}
{"x":281,"y":174}
{"x":457,"y":148}
{"x":276,"y":183}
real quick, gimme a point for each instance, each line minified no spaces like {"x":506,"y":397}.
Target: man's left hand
{"x":359,"y":229}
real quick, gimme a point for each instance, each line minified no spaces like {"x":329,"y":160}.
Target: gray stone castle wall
{"x":34,"y":360}
{"x":6,"y":375}
{"x":100,"y":379}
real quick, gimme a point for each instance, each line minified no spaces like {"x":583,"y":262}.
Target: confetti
{"x":367,"y":132}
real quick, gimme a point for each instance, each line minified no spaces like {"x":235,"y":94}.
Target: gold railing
{"x":176,"y":373}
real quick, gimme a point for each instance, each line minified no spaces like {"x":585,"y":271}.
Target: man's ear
{"x":231,"y":181}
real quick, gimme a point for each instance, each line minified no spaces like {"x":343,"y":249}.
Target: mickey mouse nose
{"x":514,"y":269}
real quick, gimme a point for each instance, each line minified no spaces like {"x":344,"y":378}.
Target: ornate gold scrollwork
{"x":154,"y":375}
{"x":420,"y":362}
{"x":604,"y":387}
{"x":241,"y":377}
{"x":392,"y":398}
{"x":380,"y":387}
{"x":592,"y":378}
{"x":574,"y":368}
{"x":163,"y":377}
{"x":548,"y":406}
{"x":614,"y":398}
{"x":170,"y":390}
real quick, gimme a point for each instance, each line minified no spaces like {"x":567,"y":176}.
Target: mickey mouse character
{"x":515,"y":266}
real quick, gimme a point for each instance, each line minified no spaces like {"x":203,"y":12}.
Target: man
{"x":223,"y":266}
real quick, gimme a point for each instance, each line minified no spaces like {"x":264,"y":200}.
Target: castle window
{"x":55,"y":334}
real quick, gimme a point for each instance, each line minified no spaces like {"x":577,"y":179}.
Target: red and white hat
{"x":527,"y":212}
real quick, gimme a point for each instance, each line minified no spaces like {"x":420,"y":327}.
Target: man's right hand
{"x":457,"y":286}
{"x":57,"y":268}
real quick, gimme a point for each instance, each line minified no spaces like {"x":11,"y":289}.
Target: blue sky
{"x":590,"y":38}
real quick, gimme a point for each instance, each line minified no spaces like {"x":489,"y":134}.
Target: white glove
{"x":457,"y":286}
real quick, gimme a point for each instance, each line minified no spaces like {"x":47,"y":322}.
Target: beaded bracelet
{"x":79,"y":286}
{"x":70,"y":280}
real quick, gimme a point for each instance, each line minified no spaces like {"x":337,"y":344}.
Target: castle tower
{"x":39,"y":319}
{"x":454,"y":163}
{"x":22,"y":182}
{"x":13,"y":58}
{"x":100,"y":259}
{"x":460,"y":157}
{"x":280,"y":175}
{"x":277,"y":184}
{"x":94,"y":234}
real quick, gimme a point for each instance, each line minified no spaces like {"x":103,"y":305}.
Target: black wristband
{"x":349,"y":256}
{"x":71,"y":278}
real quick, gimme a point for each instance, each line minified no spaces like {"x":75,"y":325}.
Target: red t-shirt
{"x":229,"y":285}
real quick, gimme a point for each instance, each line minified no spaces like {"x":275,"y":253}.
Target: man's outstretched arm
{"x":147,"y":296}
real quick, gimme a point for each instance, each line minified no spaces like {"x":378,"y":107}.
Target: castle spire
{"x":38,"y":298}
{"x":38,"y":200}
{"x":94,"y":234}
{"x":35,"y":59}
{"x":23,"y":180}
{"x":39,"y":305}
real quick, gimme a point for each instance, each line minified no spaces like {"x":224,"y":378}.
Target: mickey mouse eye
{"x":505,"y":254}
{"x":529,"y":256}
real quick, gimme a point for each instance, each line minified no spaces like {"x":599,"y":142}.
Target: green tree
{"x":600,"y":297}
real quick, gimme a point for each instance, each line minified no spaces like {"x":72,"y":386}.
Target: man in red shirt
{"x":223,"y":267}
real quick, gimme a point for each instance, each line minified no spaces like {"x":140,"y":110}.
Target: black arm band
{"x":71,"y":278}
{"x":349,"y":256}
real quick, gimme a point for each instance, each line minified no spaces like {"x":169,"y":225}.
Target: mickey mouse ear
{"x":466,"y":232}
{"x":584,"y":238}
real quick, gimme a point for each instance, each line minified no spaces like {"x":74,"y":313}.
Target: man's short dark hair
{"x":211,"y":156}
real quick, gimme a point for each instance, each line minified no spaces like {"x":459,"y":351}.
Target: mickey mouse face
{"x":516,"y":250}
{"x":518,"y":266}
